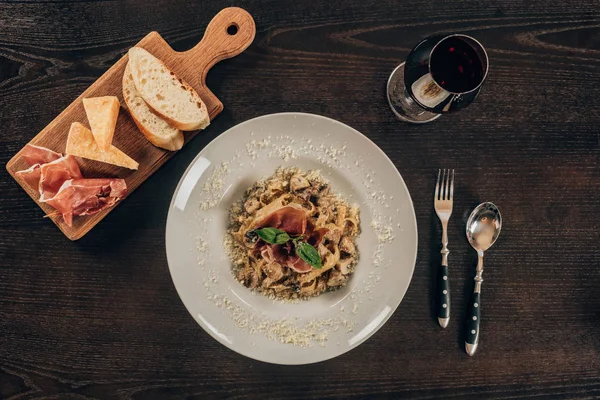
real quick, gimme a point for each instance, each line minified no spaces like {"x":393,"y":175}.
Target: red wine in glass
{"x":442,"y":74}
{"x":456,"y":66}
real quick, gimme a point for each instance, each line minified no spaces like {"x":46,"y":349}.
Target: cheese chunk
{"x":102,"y":114}
{"x":81,"y":143}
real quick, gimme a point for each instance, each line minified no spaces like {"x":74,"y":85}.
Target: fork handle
{"x":443,"y":297}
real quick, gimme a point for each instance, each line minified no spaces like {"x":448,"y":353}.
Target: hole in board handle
{"x":232,"y":29}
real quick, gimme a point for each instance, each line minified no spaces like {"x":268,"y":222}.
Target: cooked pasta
{"x":301,"y":205}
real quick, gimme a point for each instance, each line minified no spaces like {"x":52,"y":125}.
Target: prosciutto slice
{"x":298,"y":264}
{"x":62,"y":186}
{"x":291,"y":219}
{"x":31,"y":175}
{"x":284,"y":254}
{"x":86,"y":196}
{"x":315,"y":236}
{"x":49,"y":177}
{"x":55,"y":173}
{"x":38,"y":155}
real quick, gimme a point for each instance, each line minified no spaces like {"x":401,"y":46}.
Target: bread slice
{"x":81,"y":143}
{"x":169,"y":96}
{"x":155,"y":129}
{"x":102,"y":113}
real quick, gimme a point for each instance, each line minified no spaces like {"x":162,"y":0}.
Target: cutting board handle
{"x":229,"y":33}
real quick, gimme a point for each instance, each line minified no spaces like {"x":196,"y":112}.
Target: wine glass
{"x":442,"y":74}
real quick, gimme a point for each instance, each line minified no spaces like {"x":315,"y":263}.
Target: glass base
{"x":402,"y":104}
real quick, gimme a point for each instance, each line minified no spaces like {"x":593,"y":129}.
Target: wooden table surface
{"x":100,"y":318}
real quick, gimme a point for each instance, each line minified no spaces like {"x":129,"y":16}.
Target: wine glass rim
{"x":462,"y":35}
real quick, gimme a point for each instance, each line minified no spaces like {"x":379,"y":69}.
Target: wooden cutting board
{"x":229,"y":33}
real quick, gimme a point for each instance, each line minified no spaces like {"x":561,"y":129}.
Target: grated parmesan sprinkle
{"x":213,"y":185}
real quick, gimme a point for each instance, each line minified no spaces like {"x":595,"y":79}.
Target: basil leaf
{"x":273,"y":235}
{"x":309,"y":254}
{"x":282,"y":238}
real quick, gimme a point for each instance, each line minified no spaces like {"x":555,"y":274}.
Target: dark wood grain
{"x":100,"y":318}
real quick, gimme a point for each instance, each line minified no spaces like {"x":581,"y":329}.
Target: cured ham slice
{"x":315,"y":236}
{"x":289,"y":219}
{"x":298,"y":264}
{"x":49,"y":177}
{"x":38,"y":155}
{"x":55,"y":173}
{"x":283,"y":254}
{"x":31,"y":175}
{"x":62,"y":186}
{"x":86,"y":196}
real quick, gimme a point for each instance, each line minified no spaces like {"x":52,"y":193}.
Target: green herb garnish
{"x":309,"y":254}
{"x":273,"y":235}
{"x":303,"y":250}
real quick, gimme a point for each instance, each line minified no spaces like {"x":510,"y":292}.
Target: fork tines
{"x":444,"y":187}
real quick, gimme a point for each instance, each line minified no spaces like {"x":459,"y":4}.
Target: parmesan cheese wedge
{"x":102,"y":113}
{"x":81,"y":143}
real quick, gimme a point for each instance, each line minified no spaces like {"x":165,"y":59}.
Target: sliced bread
{"x":155,"y":129}
{"x":81,"y":143}
{"x":169,"y":96}
{"x":102,"y":114}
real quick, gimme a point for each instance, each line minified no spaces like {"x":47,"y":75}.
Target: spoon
{"x":483,"y":228}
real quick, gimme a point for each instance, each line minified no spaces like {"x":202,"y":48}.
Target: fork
{"x":442,"y":202}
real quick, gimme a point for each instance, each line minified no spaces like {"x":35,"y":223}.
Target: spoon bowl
{"x":483,"y":226}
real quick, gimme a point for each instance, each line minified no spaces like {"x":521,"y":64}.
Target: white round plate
{"x":306,"y":331}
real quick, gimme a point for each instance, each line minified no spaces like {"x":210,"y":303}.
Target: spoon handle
{"x":443,"y":297}
{"x":473,"y":318}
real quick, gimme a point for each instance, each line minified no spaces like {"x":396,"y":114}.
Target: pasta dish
{"x":290,"y":237}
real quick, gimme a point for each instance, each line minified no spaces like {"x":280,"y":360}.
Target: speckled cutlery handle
{"x":473,"y":318}
{"x":443,"y":296}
